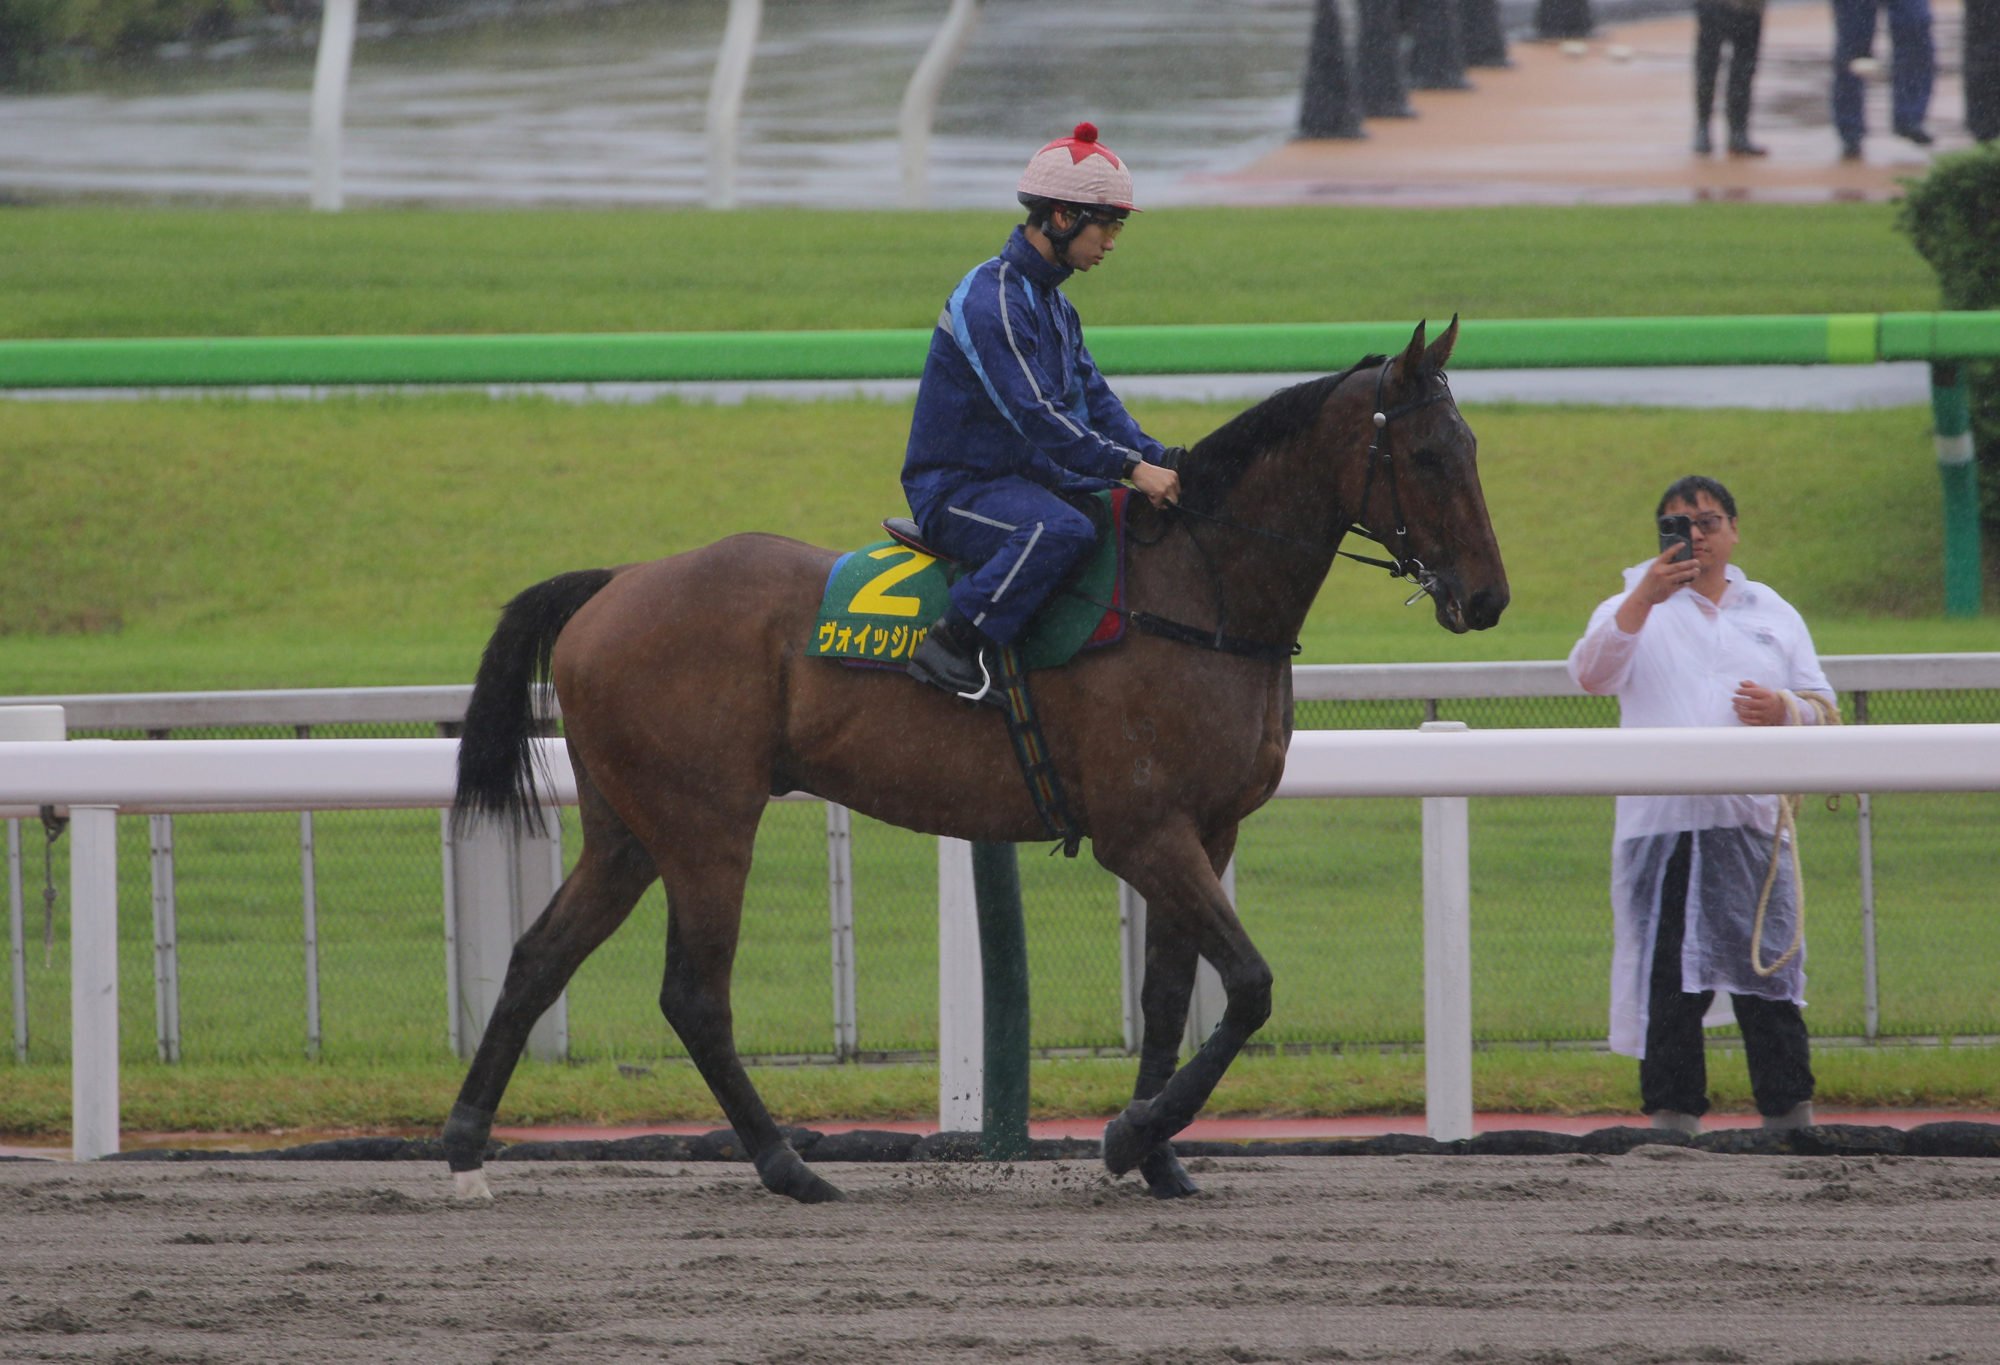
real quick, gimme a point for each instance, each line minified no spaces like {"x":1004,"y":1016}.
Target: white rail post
{"x":501,"y":877}
{"x":725,"y":98}
{"x":1447,"y":961}
{"x":93,"y":981}
{"x":329,"y":101}
{"x":23,"y":723}
{"x":1132,"y":962}
{"x":961,"y":995}
{"x":920,"y":98}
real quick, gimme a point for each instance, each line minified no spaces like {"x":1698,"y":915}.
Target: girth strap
{"x":1032,"y":751}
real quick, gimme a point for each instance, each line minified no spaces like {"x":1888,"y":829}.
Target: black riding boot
{"x":953,"y":656}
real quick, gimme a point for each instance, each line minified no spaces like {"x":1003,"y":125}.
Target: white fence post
{"x":93,"y":981}
{"x":22,"y":723}
{"x":725,"y":98}
{"x":329,"y":101}
{"x":501,"y":877}
{"x":1447,"y":962}
{"x":920,"y":98}
{"x":961,"y":995}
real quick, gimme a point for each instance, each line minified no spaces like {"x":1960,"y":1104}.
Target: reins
{"x":1398,"y":566}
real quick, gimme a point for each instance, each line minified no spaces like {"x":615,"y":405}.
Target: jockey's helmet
{"x":1080,"y":172}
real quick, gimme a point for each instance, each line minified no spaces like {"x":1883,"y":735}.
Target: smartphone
{"x":1676,"y":531}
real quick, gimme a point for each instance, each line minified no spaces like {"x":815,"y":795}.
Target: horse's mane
{"x":1219,"y":459}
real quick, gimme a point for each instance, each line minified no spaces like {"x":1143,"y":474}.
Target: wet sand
{"x":1662,"y":1254}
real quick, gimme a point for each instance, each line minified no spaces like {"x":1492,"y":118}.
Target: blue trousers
{"x":1912,"y":63}
{"x":1025,"y":539}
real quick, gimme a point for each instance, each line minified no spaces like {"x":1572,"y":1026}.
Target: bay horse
{"x":688,"y":701}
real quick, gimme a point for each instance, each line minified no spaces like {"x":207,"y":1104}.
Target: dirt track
{"x":1664,"y":1254}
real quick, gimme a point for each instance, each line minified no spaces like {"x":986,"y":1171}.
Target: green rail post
{"x":1951,"y":415}
{"x":1003,"y":969}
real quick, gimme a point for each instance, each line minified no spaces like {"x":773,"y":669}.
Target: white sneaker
{"x":1799,"y":1115}
{"x":1674,"y":1121}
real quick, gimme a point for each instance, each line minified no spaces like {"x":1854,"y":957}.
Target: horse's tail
{"x":496,"y":755}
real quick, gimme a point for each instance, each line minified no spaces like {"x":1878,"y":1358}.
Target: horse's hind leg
{"x":611,"y":874}
{"x":705,"y":880}
{"x":1172,"y":958}
{"x":1180,"y":885}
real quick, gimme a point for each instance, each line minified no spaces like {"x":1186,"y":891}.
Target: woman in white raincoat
{"x":1693,"y":642}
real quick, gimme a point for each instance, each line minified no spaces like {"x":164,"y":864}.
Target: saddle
{"x":880,"y":599}
{"x":879,"y":602}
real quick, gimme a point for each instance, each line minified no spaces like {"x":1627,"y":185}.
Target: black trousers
{"x":1743,"y":30}
{"x":1674,"y":1072}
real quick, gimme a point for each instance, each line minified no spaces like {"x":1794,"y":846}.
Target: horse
{"x":687,"y":701}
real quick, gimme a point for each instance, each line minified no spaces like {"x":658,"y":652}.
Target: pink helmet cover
{"x":1079,"y":169}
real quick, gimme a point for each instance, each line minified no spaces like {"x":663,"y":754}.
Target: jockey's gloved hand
{"x":1171,"y":457}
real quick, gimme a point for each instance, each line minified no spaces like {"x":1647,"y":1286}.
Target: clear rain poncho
{"x":1682,"y":669}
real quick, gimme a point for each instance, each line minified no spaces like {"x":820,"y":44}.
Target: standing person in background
{"x":1692,"y":642}
{"x":1912,"y":69}
{"x":1740,"y":24}
{"x":1982,"y":69}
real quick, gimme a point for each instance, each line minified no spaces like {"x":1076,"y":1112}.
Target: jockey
{"x":1014,"y":426}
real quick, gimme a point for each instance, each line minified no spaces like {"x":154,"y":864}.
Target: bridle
{"x":1400,"y":566}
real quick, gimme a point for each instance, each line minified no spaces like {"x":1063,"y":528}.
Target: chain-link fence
{"x":275,"y":936}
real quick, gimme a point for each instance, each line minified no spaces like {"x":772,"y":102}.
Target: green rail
{"x":659,"y":357}
{"x":1943,"y":339}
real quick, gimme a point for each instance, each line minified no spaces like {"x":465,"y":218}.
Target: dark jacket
{"x":1009,"y":389}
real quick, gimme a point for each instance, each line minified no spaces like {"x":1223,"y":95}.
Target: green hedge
{"x":1950,"y":216}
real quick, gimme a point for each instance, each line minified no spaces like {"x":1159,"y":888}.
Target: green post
{"x":1003,"y":969}
{"x":1951,"y":415}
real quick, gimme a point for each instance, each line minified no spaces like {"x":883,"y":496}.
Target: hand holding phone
{"x":1677,"y":531}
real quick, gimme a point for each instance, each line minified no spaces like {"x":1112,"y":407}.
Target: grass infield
{"x":221,"y":543}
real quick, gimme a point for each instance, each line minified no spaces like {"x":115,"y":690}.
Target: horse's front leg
{"x":1165,"y":991}
{"x":1171,"y":962}
{"x":1186,"y":913}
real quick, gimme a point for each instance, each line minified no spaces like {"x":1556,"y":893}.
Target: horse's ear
{"x":1410,"y":362}
{"x":1440,"y":350}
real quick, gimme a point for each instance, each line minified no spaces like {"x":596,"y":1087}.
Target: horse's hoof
{"x":1125,"y":1142}
{"x":1165,"y":1177}
{"x":471,"y":1185}
{"x":784,"y":1172}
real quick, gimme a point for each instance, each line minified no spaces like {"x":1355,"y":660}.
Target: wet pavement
{"x":609,"y":107}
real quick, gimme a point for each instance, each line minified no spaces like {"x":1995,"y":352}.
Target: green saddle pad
{"x":881,"y":599}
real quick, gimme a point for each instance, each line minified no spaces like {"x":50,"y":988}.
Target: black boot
{"x":1741,"y":145}
{"x":1703,"y":143}
{"x":953,"y":656}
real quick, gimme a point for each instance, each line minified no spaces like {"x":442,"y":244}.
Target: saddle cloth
{"x":880,"y":600}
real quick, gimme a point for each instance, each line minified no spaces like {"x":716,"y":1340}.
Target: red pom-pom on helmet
{"x":1085,"y":132}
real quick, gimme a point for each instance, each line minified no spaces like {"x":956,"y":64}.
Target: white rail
{"x":98,"y":779}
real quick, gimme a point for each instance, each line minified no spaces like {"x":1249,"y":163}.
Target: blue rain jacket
{"x":1010,"y":390}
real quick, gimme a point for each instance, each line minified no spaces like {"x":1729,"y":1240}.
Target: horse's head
{"x":1419,"y":496}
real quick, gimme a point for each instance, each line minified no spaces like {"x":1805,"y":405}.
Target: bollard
{"x":1437,"y":47}
{"x":1327,"y":107}
{"x":1378,"y":60}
